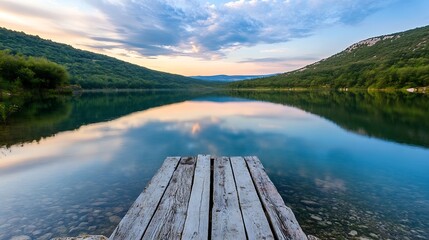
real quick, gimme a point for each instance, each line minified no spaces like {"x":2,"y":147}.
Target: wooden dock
{"x":209,"y":198}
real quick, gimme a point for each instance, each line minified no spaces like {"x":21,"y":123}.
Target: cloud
{"x":53,"y":17}
{"x":198,"y":28}
{"x":153,"y":27}
{"x":27,"y":10}
{"x":191,"y":28}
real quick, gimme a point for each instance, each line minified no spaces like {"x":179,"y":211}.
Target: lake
{"x":347,"y":163}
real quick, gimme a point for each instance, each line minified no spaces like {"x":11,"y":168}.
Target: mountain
{"x":230,"y":78}
{"x":399,"y":60}
{"x":91,"y":70}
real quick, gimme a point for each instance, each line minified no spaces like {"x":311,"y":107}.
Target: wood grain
{"x":210,"y":198}
{"x":283,"y":221}
{"x":133,"y":225}
{"x":255,"y":221}
{"x":169,"y":218}
{"x":227,"y":222}
{"x":197,"y":219}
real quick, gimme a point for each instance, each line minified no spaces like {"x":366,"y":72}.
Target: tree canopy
{"x":19,"y":71}
{"x":91,"y":70}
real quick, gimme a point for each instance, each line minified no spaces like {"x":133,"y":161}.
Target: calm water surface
{"x":346,"y":163}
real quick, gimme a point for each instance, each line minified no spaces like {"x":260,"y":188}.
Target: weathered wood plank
{"x":227,"y":222}
{"x":197,"y":219}
{"x":283,"y":221}
{"x":255,"y":221}
{"x":133,"y":225}
{"x":169,"y":218}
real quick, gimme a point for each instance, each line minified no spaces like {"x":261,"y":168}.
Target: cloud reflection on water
{"x":306,"y":156}
{"x":330,"y":184}
{"x":104,"y":139}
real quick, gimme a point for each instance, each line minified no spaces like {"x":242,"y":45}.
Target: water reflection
{"x":330,"y":184}
{"x":394,"y":116}
{"x":38,"y":118}
{"x":83,"y":180}
{"x":398,"y":117}
{"x":188,"y":122}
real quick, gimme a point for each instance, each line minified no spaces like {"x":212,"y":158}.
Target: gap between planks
{"x":234,"y":195}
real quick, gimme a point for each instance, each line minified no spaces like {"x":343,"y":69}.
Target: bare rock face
{"x":84,"y":237}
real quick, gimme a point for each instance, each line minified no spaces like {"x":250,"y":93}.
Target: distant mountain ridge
{"x":230,"y":78}
{"x":91,"y":70}
{"x":399,"y":60}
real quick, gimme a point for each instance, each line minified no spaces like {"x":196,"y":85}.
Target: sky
{"x":208,"y":37}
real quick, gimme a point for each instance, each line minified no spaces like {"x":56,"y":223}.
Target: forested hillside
{"x":91,"y":70}
{"x":399,"y":60}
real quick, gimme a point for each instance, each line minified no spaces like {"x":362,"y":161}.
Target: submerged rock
{"x":61,"y":229}
{"x":373,"y":235}
{"x":83,"y":237}
{"x":316,"y":217}
{"x":46,"y":236}
{"x":364,"y":238}
{"x":118,"y":209}
{"x":114,"y":219}
{"x":311,"y":237}
{"x":309,"y":202}
{"x":21,"y":237}
{"x":92,"y":228}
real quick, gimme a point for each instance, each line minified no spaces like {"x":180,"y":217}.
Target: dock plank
{"x":133,"y":225}
{"x":210,"y":198}
{"x":227,"y":222}
{"x":197,"y":219}
{"x":169,"y":218}
{"x":255,"y":221}
{"x":283,"y":221}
